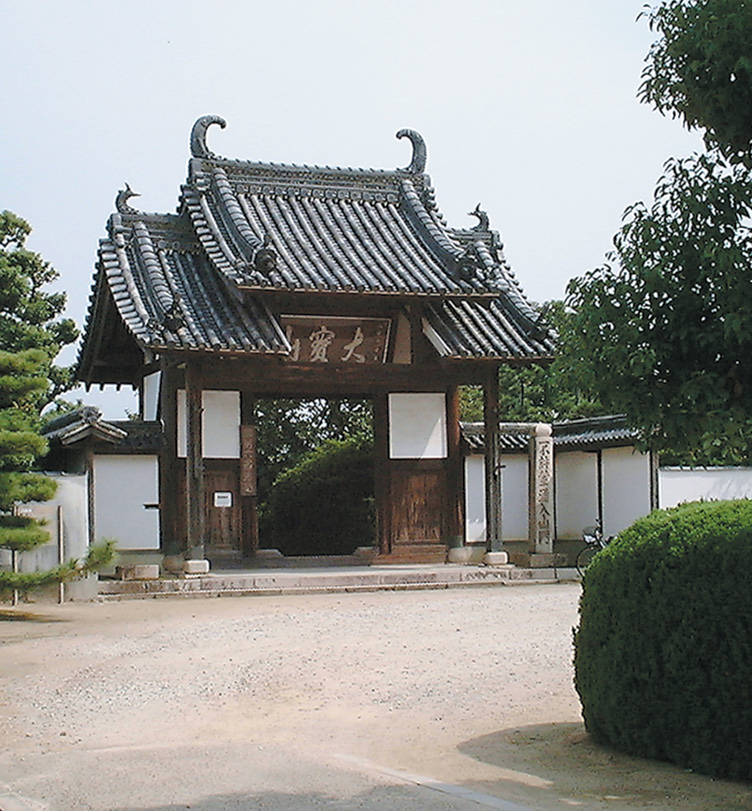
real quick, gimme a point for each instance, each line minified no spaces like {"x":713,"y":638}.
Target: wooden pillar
{"x":456,"y":512}
{"x":248,"y":488}
{"x":493,"y":461}
{"x":169,"y":466}
{"x":382,"y":485}
{"x":196,"y":529}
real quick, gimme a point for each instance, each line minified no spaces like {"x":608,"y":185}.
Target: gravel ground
{"x":347,"y":701}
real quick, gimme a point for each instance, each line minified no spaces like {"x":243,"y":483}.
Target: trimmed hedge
{"x":663,"y":651}
{"x":323,"y":505}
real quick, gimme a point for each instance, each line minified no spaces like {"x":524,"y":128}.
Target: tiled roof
{"x":584,"y":434}
{"x":168,"y":296}
{"x":197,"y":280}
{"x":474,"y":439}
{"x":83,"y":423}
{"x":86,"y":423}
{"x":594,"y":431}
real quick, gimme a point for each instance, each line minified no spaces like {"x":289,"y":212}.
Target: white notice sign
{"x":222,"y":499}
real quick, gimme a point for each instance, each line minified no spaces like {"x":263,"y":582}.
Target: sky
{"x":528,"y":108}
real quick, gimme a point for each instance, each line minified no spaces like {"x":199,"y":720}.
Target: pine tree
{"x":31,"y":336}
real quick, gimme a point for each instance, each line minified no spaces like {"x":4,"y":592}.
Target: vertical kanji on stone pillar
{"x":541,"y":501}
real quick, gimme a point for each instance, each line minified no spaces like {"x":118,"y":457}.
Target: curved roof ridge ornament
{"x":198,"y":135}
{"x":121,"y":201}
{"x":483,"y":221}
{"x":420,"y":153}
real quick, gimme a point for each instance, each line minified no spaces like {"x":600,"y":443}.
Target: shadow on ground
{"x":20,"y":615}
{"x":562,"y":761}
{"x":383,"y":798}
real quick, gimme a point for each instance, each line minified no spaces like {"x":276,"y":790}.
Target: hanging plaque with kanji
{"x":335,"y":339}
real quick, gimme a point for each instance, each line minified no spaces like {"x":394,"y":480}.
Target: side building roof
{"x":199,"y":280}
{"x":586,"y":434}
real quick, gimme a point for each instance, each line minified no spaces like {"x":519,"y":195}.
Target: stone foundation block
{"x":196,"y":567}
{"x":496,"y":559}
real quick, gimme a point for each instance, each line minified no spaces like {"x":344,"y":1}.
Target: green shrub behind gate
{"x":323,"y":505}
{"x":663,"y":651}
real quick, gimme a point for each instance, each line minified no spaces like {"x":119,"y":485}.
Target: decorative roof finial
{"x":265,"y":258}
{"x":198,"y":135}
{"x":173,"y":318}
{"x":483,"y":222}
{"x":121,"y":201}
{"x":420,"y":154}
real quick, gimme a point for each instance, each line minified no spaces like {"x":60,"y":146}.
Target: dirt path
{"x":343,"y":700}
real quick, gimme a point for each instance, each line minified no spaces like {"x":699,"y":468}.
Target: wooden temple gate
{"x":306,"y":282}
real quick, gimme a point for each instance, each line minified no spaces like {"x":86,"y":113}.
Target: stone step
{"x":291,"y":581}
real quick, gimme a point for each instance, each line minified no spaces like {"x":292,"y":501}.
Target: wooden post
{"x":169,"y":467}
{"x":60,"y":552}
{"x":493,"y":462}
{"x":456,"y":513}
{"x":382,"y":488}
{"x":248,"y":489}
{"x":196,"y":529}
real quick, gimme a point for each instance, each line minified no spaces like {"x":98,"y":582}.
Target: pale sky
{"x":528,"y":108}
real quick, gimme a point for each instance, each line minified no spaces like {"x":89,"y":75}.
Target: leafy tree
{"x":664,"y":331}
{"x":700,"y":70}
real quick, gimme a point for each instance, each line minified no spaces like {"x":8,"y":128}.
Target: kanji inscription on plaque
{"x":336,"y":339}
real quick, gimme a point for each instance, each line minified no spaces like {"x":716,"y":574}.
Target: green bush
{"x":663,"y":651}
{"x":323,"y":505}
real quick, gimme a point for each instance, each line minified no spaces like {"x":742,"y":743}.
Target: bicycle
{"x":594,"y":542}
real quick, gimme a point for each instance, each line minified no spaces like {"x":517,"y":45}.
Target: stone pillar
{"x":541,"y":522}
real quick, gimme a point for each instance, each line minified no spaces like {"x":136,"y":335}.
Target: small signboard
{"x":335,"y":339}
{"x":222,"y":498}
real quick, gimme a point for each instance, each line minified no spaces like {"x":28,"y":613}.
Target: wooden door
{"x":223,"y":512}
{"x":419,"y":502}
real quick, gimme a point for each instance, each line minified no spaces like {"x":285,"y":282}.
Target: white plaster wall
{"x":417,"y":426}
{"x":475,"y":499}
{"x":576,"y":489}
{"x":122,"y":485}
{"x":220,"y":424}
{"x":71,"y":496}
{"x":152,"y":385}
{"x":514,"y":490}
{"x":514,"y":498}
{"x":677,"y":485}
{"x":626,"y":488}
